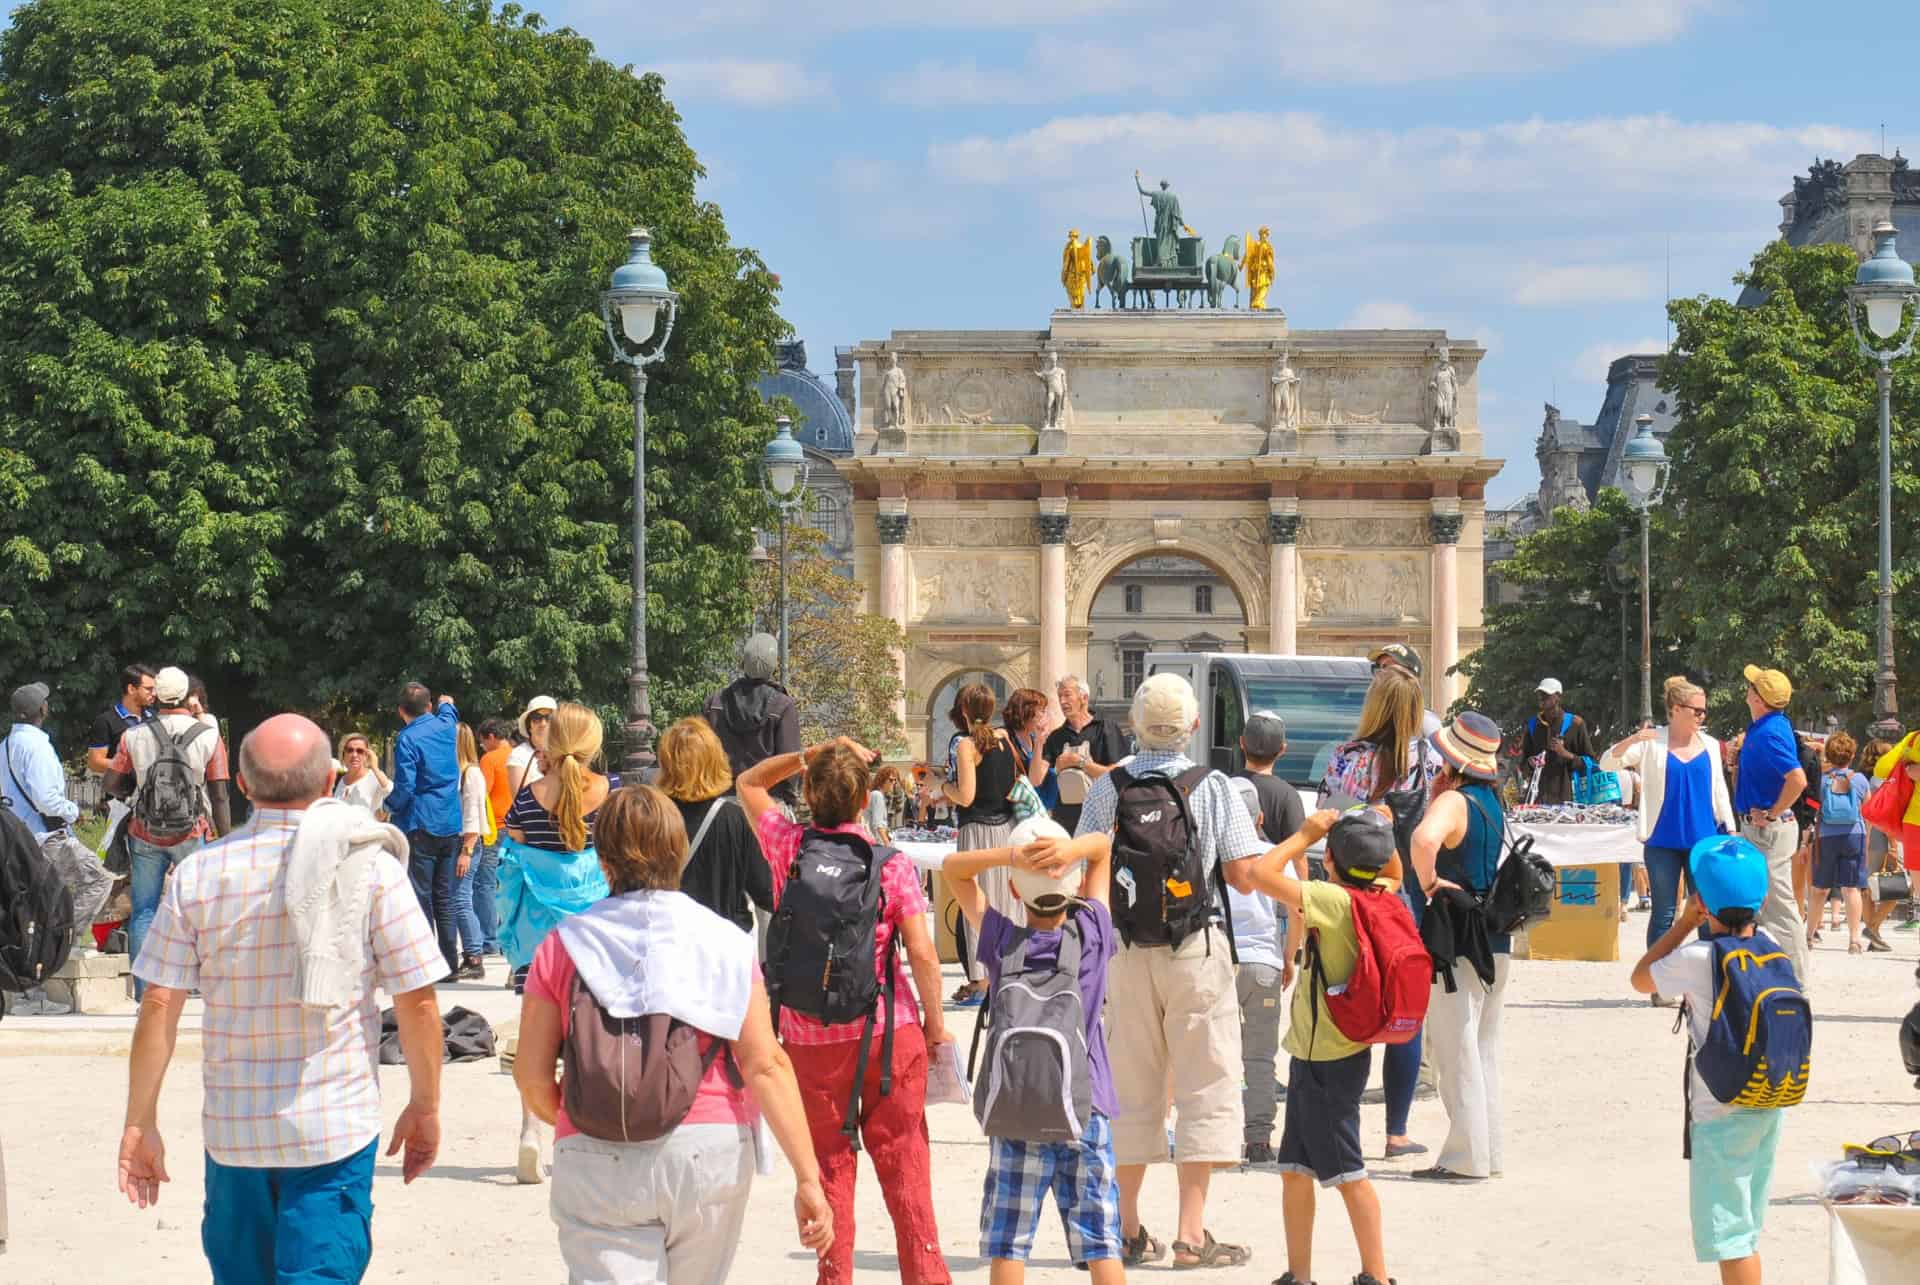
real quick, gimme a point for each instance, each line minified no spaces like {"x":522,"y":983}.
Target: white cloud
{"x":1384,"y":314}
{"x":742,"y":81}
{"x":1594,"y":359}
{"x":1539,"y":286}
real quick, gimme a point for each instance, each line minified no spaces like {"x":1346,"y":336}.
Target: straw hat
{"x":1470,"y":744}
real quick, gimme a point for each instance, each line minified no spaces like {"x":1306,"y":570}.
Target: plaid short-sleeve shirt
{"x":900,"y":887}
{"x":287,"y":1086}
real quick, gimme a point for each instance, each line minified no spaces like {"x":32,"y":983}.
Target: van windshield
{"x":1320,"y":712}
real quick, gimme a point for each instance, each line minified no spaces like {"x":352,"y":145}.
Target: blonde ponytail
{"x":573,"y":741}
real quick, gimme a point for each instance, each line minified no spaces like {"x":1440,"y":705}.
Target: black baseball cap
{"x":1265,"y":734}
{"x":1360,"y":845}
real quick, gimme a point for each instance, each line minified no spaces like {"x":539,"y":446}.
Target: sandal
{"x":1211,"y":1253}
{"x":1142,"y":1248}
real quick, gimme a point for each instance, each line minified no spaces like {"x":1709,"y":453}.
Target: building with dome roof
{"x":823,"y":425}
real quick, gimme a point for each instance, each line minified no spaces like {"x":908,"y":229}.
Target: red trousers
{"x":893,"y":1129}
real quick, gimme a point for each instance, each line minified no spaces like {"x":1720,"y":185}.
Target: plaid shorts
{"x":1081,"y":1177}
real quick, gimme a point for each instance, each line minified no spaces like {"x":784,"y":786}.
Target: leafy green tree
{"x":1769,"y":536}
{"x":839,"y":664}
{"x":302,"y":382}
{"x":1566,"y":625}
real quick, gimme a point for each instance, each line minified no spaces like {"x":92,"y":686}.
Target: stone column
{"x":1053,"y":599}
{"x":893,"y":588}
{"x":1283,"y":571}
{"x":1443,"y":527}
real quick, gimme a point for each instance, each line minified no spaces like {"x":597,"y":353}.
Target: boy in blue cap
{"x":1733,"y":1147}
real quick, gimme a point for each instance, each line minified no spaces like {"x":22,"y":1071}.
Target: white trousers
{"x":650,"y":1213}
{"x":1463,"y":1035}
{"x":1780,"y":915}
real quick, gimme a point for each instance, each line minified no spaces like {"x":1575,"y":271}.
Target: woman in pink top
{"x":892,"y":1126}
{"x":670,"y":1209}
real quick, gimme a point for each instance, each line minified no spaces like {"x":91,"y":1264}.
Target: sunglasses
{"x":539,"y":718}
{"x":1898,"y":1152}
{"x":356,"y":750}
{"x":1698,"y":711}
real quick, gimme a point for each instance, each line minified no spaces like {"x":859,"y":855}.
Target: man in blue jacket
{"x":425,"y":804}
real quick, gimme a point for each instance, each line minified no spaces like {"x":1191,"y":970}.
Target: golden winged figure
{"x":1076,"y":268}
{"x":1259,"y":269}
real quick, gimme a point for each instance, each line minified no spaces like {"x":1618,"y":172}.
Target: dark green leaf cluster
{"x":302,"y":381}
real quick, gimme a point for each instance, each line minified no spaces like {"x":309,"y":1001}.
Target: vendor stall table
{"x":1873,"y":1244}
{"x":1585,"y":922}
{"x":927,"y":858}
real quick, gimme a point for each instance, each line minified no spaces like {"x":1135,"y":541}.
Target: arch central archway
{"x":1156,"y":600}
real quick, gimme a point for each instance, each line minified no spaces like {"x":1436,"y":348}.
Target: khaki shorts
{"x":1159,"y":999}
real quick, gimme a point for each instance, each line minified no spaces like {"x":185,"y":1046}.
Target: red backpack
{"x":1385,"y":1000}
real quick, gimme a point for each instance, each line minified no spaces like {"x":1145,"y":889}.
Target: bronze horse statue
{"x":1223,"y":273}
{"x":1112,"y":272}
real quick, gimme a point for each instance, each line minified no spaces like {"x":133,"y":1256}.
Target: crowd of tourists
{"x":729,"y":956}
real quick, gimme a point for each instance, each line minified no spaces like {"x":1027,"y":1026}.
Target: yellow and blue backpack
{"x":1759,"y":1047}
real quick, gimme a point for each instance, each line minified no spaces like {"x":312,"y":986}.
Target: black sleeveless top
{"x":992,"y":779}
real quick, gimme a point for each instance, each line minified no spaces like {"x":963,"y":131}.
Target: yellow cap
{"x":1775,"y":688}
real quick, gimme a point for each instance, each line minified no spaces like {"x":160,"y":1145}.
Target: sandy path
{"x":1595,"y":1190}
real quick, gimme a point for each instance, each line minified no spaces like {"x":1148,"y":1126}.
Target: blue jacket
{"x":426,"y":773}
{"x":32,"y":783}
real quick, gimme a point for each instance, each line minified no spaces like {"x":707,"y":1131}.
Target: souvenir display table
{"x":1586,"y":846}
{"x":928,"y":849}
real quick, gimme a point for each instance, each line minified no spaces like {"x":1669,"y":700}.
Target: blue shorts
{"x":1731,"y":1173}
{"x":1081,"y":1177}
{"x":1321,"y":1133}
{"x":1841,"y":862}
{"x":310,"y":1225}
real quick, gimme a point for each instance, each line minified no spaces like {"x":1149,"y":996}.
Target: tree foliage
{"x":302,"y":381}
{"x":1769,"y":539}
{"x":840,"y":664}
{"x":1567,"y":625}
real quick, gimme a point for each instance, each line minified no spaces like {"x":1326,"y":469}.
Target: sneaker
{"x":526,"y":1170}
{"x":1440,"y":1173}
{"x":34,"y":1003}
{"x":1364,"y":1279}
{"x":1878,"y":947}
{"x":470,"y":970}
{"x":1259,"y":1153}
{"x":1288,"y":1278}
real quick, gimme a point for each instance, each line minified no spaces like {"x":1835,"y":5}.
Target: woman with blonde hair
{"x":1683,"y":795}
{"x":361,"y":779}
{"x":548,"y":866}
{"x":725,"y":871}
{"x":672,"y":1208}
{"x":1388,"y":762}
{"x":476,"y":828}
{"x":984,"y":772}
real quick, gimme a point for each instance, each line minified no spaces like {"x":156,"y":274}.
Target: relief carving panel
{"x":975,"y":532}
{"x":975,"y":588}
{"x":1363,"y":533}
{"x":975,"y":395}
{"x":1337,"y":587}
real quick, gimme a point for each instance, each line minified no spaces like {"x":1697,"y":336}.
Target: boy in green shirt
{"x":1321,"y":1136}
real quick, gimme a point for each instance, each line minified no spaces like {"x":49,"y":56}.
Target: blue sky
{"x":1513,"y":170}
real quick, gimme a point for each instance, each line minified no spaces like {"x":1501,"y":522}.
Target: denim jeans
{"x":1665,"y":866}
{"x":1400,"y":1063}
{"x":150,"y":864}
{"x":430,"y":870}
{"x":486,"y":887}
{"x":464,"y":915}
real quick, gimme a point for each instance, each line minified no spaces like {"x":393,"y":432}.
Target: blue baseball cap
{"x":1728,"y":872}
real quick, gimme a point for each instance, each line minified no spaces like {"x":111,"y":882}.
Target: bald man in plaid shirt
{"x":292,"y":1114}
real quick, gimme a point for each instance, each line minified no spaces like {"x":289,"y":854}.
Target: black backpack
{"x":172,"y":796}
{"x":1409,"y":808}
{"x":821,"y":944}
{"x":1523,"y":887}
{"x":36,"y":909}
{"x":1157,"y":860}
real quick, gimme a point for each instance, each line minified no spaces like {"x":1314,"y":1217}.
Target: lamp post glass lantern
{"x":1644,"y":461}
{"x":1883,"y":289}
{"x":639,"y":297}
{"x":783,"y":471}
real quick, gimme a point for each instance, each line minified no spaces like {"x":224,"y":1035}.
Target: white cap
{"x":1051,"y":893}
{"x":1164,"y":710}
{"x":170,"y":686}
{"x":1551,"y":686}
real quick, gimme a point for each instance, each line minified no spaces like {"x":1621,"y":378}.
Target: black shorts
{"x":1321,"y":1134}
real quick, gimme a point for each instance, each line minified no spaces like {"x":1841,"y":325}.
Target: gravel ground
{"x":1595,"y":1190}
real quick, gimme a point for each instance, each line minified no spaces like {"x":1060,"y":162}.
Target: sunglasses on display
{"x":1898,"y":1152}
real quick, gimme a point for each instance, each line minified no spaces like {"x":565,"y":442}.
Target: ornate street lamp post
{"x":1644,"y":461}
{"x":783,"y":471}
{"x":639,"y":298}
{"x":1883,"y":287}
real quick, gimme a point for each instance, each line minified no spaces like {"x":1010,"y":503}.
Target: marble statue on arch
{"x":893,"y":394}
{"x":1054,"y":377}
{"x":1444,"y":394}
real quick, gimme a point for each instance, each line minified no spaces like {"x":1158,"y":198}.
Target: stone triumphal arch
{"x":1333,"y":479}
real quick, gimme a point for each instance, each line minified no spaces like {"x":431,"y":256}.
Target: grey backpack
{"x":172,"y":797}
{"x":1037,"y":1085}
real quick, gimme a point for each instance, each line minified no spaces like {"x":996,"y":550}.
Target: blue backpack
{"x":1840,"y":809}
{"x":1759,"y":1047}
